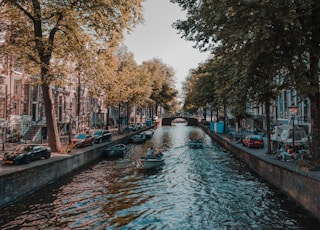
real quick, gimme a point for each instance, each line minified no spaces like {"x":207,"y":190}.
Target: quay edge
{"x":18,"y":181}
{"x":302,"y":186}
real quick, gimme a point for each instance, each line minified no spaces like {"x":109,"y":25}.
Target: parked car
{"x":13,"y":138}
{"x":253,"y":141}
{"x":282,"y":135}
{"x":83,"y":140}
{"x":133,"y":127}
{"x":25,"y":153}
{"x":236,"y":135}
{"x":139,"y":125}
{"x":102,"y":136}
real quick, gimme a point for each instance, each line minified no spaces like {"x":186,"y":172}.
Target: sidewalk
{"x":7,"y":147}
{"x":263,"y":154}
{"x":292,"y":165}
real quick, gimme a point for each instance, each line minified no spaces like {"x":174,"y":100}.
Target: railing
{"x":178,"y":115}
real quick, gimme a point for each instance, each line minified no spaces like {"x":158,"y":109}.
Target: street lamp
{"x":293,"y":111}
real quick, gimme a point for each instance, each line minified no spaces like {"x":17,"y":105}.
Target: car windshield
{"x":81,"y":136}
{"x":284,"y":134}
{"x":21,"y":148}
{"x":97,"y":133}
{"x":256,"y":138}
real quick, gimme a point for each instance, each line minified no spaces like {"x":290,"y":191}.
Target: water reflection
{"x":195,"y":189}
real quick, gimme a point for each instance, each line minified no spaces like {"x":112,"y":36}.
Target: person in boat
{"x":158,"y":155}
{"x":150,"y":152}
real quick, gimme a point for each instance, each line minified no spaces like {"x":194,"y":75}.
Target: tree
{"x":215,"y":86}
{"x":278,"y":41}
{"x":43,"y":32}
{"x":161,"y":82}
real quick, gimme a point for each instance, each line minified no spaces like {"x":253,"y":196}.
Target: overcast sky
{"x":156,"y":38}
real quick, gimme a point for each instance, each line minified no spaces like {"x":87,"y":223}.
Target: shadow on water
{"x":153,"y":171}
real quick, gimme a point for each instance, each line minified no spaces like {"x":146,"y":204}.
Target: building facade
{"x":280,"y":112}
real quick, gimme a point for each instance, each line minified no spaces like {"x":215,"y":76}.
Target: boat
{"x":149,"y":134}
{"x":195,"y":144}
{"x":117,"y":150}
{"x":152,"y":162}
{"x":138,"y":138}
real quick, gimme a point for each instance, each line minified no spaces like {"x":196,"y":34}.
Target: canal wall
{"x":22,"y":180}
{"x":302,"y":186}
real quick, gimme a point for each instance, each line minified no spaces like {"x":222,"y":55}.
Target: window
{"x":17,"y":87}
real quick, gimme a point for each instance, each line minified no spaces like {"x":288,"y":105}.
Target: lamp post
{"x":293,"y":111}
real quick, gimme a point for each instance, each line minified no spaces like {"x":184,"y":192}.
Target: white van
{"x":283,"y":134}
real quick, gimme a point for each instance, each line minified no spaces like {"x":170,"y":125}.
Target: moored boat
{"x":195,"y":144}
{"x":117,"y":150}
{"x":138,"y":138}
{"x":152,"y":162}
{"x":149,"y":134}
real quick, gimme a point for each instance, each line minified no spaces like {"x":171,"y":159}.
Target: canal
{"x":206,"y":188}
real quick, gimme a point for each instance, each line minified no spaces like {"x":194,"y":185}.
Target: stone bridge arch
{"x":191,"y":121}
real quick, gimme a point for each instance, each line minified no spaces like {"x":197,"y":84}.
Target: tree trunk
{"x":267,"y":104}
{"x":217,"y":115}
{"x":152,"y":111}
{"x":225,"y":118}
{"x":52,"y":127}
{"x":119,"y":118}
{"x":45,"y":52}
{"x":156,"y":109}
{"x":108,"y":116}
{"x":128,"y":114}
{"x":78,"y":103}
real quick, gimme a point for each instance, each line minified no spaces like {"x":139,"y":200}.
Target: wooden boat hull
{"x":138,"y":139}
{"x":149,"y":134}
{"x":150,"y":163}
{"x":117,"y":150}
{"x":195,"y":144}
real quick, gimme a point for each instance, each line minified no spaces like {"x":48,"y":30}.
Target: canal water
{"x":195,"y":189}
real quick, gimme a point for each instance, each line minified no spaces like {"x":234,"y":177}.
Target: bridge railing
{"x":191,"y":120}
{"x":178,"y":116}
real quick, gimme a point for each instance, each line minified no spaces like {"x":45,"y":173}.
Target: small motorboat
{"x":118,"y":150}
{"x":138,"y":138}
{"x":149,"y":134}
{"x":195,"y":144}
{"x":152,"y":162}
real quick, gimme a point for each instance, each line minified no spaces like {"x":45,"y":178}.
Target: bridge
{"x":192,"y":121}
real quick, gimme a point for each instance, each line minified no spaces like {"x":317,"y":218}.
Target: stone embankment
{"x":16,"y":181}
{"x":302,"y":185}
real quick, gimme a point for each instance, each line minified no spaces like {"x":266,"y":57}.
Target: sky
{"x":156,"y":38}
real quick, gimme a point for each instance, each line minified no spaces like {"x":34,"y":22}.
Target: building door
{"x":34,"y":112}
